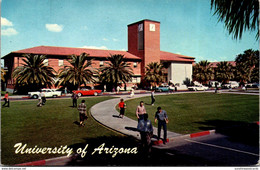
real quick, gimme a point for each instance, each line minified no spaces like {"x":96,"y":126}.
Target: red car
{"x":86,"y":92}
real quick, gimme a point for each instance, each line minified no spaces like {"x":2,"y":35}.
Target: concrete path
{"x":106,"y":113}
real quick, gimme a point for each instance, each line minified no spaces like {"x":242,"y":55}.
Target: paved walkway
{"x":106,"y":113}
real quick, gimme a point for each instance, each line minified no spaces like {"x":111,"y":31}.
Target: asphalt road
{"x":212,"y":150}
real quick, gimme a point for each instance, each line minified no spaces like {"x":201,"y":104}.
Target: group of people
{"x":160,"y":117}
{"x":145,"y":126}
{"x":82,"y":108}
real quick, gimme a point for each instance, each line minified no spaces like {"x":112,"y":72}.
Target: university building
{"x":143,"y":48}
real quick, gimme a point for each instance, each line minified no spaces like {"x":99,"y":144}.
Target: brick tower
{"x":144,"y":42}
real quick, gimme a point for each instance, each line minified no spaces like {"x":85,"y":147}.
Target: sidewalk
{"x":106,"y":114}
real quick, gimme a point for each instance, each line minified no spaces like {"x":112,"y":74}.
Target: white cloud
{"x":54,"y":27}
{"x":114,"y":39}
{"x":95,"y":47}
{"x":105,"y":39}
{"x":213,"y":60}
{"x":6,"y":22}
{"x":9,"y":31}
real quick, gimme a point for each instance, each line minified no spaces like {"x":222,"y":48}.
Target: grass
{"x":190,"y":113}
{"x":54,"y":125}
{"x":49,"y":126}
{"x":4,"y":92}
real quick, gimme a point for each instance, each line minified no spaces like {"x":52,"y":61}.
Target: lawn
{"x":195,"y":112}
{"x":52,"y":125}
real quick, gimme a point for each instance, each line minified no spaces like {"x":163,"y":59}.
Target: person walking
{"x":65,"y":91}
{"x":216,"y":87}
{"x":153,"y":98}
{"x":140,"y":111}
{"x":74,"y":99}
{"x":43,"y":98}
{"x":6,"y":99}
{"x":117,"y":89}
{"x":122,"y":107}
{"x":40,"y":99}
{"x":82,"y":112}
{"x":162,"y":118}
{"x":145,"y":128}
{"x":132,"y":93}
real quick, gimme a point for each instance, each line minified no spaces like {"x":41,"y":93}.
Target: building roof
{"x":167,"y":56}
{"x":67,"y":51}
{"x":143,"y":21}
{"x":214,"y":64}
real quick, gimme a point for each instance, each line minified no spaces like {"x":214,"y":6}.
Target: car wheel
{"x":79,"y":94}
{"x":54,"y":96}
{"x":35,"y":96}
{"x":95,"y":94}
{"x":160,"y":90}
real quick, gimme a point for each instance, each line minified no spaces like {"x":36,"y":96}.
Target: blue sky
{"x":188,"y":27}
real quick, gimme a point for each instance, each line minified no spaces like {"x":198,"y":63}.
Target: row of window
{"x":61,"y":63}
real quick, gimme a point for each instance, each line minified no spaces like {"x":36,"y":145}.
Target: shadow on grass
{"x":237,"y":131}
{"x":76,"y":122}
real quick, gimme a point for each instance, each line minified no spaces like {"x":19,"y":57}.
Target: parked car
{"x":47,"y":93}
{"x":213,"y":84}
{"x":231,"y":84}
{"x":87,"y":92}
{"x":162,"y":88}
{"x":198,"y":88}
{"x":226,"y":86}
{"x":255,"y":85}
{"x":252,"y":85}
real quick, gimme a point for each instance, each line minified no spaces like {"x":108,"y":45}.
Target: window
{"x":135,"y":64}
{"x":101,"y":63}
{"x":46,"y":62}
{"x":140,"y":37}
{"x":138,"y":80}
{"x":60,"y":62}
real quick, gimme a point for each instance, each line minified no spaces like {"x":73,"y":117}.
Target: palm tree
{"x":246,"y":63}
{"x":77,"y":73}
{"x":115,"y":70}
{"x":202,"y":72}
{"x":238,"y":15}
{"x":224,"y":72}
{"x":33,"y":74}
{"x":3,"y":74}
{"x":154,"y":73}
{"x":255,"y":74}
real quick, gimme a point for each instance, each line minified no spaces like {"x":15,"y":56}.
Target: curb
{"x":192,"y":135}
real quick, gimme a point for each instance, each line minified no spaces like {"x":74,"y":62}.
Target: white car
{"x":231,"y":84}
{"x":198,"y":88}
{"x":47,"y":93}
